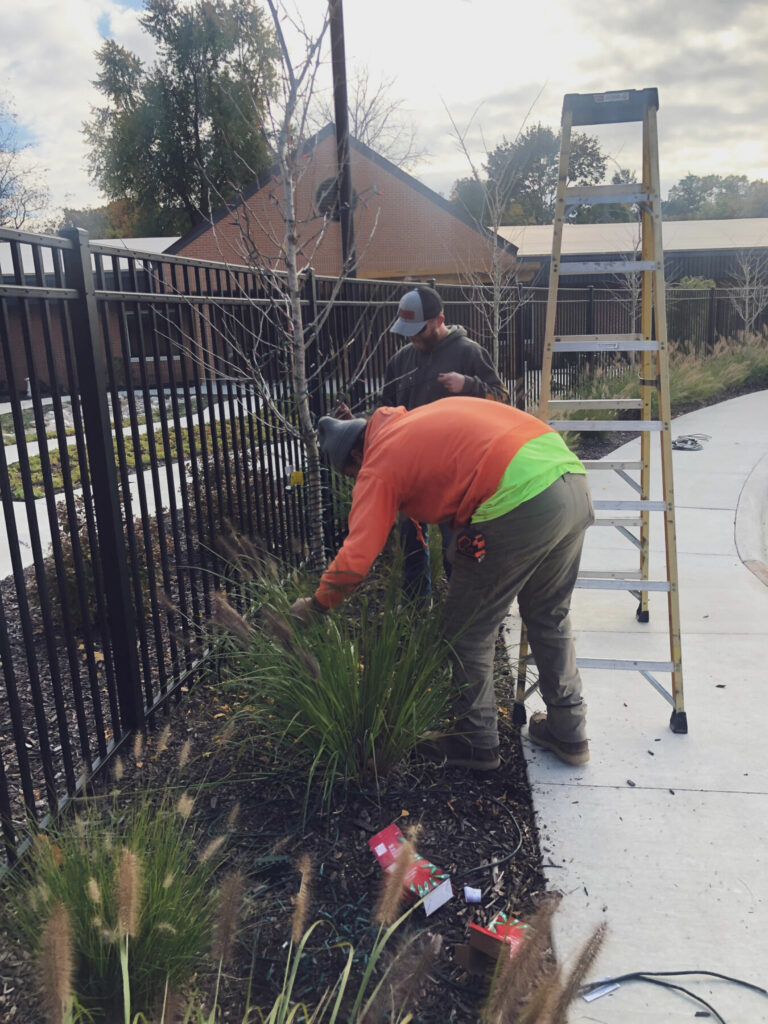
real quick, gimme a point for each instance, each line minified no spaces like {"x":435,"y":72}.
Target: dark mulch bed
{"x":479,"y":828}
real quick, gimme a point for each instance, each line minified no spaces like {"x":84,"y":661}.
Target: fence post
{"x":312,"y":342}
{"x":711,"y":320}
{"x":90,"y":359}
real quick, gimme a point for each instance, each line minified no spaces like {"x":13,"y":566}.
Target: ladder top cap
{"x":610,"y":107}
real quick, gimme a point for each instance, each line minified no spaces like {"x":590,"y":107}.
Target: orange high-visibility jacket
{"x":435,"y":464}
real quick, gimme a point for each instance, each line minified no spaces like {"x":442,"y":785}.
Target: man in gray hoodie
{"x":439,"y":362}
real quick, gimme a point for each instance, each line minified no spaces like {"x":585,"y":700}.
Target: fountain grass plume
{"x":56,"y":962}
{"x":301,"y":899}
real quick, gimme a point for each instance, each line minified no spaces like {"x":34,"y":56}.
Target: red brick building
{"x":402,"y":228}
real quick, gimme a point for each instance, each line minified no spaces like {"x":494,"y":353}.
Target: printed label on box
{"x":423,"y":880}
{"x":501,"y":928}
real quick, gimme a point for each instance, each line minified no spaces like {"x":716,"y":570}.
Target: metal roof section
{"x":679,"y":236}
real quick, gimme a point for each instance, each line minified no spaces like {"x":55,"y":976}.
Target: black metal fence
{"x":148,"y":408}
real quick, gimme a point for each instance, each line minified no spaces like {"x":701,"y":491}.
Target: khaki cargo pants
{"x":532,"y":554}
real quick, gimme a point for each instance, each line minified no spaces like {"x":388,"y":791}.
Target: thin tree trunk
{"x":312,"y":481}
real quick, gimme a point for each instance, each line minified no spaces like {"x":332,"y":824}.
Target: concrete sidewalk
{"x":665,"y":836}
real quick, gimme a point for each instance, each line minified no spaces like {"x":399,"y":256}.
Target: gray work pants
{"x":532,"y":553}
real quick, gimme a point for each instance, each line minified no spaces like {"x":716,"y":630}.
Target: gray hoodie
{"x":411,"y":376}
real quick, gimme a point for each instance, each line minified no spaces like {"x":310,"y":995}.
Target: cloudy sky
{"x":490,"y":65}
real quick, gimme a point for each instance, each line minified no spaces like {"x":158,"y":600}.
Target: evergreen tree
{"x":177,"y":139}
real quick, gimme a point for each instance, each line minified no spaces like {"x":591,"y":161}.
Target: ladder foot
{"x":642,"y":616}
{"x":678,"y":722}
{"x":519,"y":716}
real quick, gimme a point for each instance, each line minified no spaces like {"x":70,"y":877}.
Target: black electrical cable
{"x":685,"y":991}
{"x":501,"y":860}
{"x":690,"y":442}
{"x":677,"y":974}
{"x":656,"y":978}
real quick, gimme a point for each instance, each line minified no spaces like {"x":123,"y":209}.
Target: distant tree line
{"x":716,"y":197}
{"x":520,"y":179}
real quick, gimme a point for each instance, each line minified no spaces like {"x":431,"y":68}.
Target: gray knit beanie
{"x":337,"y":438}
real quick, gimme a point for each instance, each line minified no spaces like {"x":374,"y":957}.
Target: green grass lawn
{"x":8,"y":430}
{"x":137,"y":458}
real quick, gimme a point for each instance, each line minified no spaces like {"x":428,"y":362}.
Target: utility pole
{"x":341,"y":115}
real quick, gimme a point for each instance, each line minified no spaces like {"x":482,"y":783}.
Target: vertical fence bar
{"x":91,"y":363}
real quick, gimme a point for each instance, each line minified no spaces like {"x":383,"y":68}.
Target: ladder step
{"x":610,"y":107}
{"x":636,"y":666}
{"x":561,"y":404}
{"x":595,"y":195}
{"x":664,"y":586}
{"x":601,"y":574}
{"x":630,"y":506}
{"x":604,"y":343}
{"x":608,"y":267}
{"x":614,"y":464}
{"x":609,"y":425}
{"x":619,"y":523}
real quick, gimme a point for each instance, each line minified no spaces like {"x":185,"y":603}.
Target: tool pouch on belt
{"x":471,"y":542}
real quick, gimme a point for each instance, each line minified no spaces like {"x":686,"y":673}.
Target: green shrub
{"x":347,"y":696}
{"x":700,"y":283}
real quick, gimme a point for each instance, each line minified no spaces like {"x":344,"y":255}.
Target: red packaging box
{"x":501,"y":928}
{"x":423,"y":880}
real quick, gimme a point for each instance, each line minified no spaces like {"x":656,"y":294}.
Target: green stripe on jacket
{"x":537,"y":465}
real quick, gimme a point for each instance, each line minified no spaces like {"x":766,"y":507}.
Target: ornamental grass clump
{"x":346,"y":696}
{"x":117,"y":905}
{"x":695,"y":377}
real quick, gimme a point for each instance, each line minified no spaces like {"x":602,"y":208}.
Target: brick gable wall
{"x":399,"y":231}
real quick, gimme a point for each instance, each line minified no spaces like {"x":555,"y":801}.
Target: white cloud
{"x":47,"y":66}
{"x":490,"y":58}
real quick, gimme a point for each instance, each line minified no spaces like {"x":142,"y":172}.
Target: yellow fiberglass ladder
{"x":653,"y":405}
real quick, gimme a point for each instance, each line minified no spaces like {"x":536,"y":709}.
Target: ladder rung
{"x":608,"y":267}
{"x":618,"y":522}
{"x":638,"y":666}
{"x":623,"y":584}
{"x":604,"y":343}
{"x":601,"y":574}
{"x":610,"y":425}
{"x":614,"y":464}
{"x":576,"y":195}
{"x":561,"y":404}
{"x":630,"y":506}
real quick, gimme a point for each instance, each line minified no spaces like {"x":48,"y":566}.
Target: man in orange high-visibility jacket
{"x":519,"y":501}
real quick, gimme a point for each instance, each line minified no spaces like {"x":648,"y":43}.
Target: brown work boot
{"x":570,"y":753}
{"x":456,"y":751}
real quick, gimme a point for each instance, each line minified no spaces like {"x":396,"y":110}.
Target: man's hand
{"x":342,"y":412}
{"x":452,"y":382}
{"x":306,"y":609}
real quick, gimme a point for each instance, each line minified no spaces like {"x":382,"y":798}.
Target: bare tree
{"x":376,"y":119}
{"x":626,"y":288}
{"x":749,"y":287}
{"x":23,"y":194}
{"x":498,"y":293}
{"x":279,"y":244}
